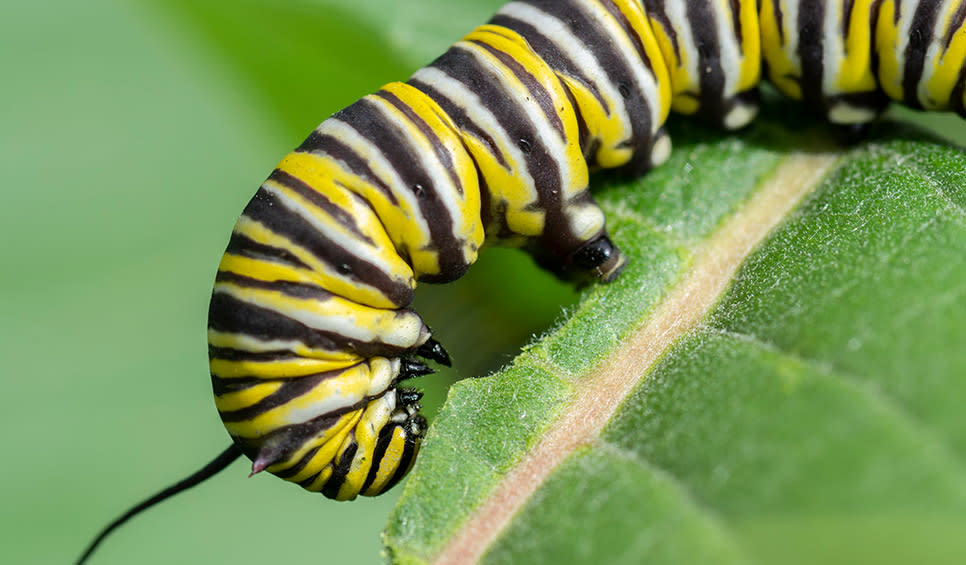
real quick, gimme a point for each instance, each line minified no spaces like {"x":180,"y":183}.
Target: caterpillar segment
{"x":713,"y":53}
{"x":921,"y":48}
{"x":310,"y":332}
{"x":607,"y":58}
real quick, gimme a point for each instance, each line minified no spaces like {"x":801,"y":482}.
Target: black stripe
{"x":382,"y":444}
{"x":920,"y":36}
{"x":463,"y":67}
{"x":629,"y":31}
{"x":542,"y":165}
{"x":655,"y":10}
{"x":736,"y":24}
{"x":779,"y":20}
{"x":242,"y":245}
{"x":281,"y":443}
{"x":638,"y":105}
{"x":539,"y":95}
{"x":297,"y":468}
{"x":847,"y":7}
{"x":290,"y":390}
{"x":434,"y":138}
{"x":405,"y":462}
{"x":955,"y":23}
{"x":220,"y":386}
{"x":293,"y":289}
{"x":347,"y":156}
{"x":811,"y":46}
{"x":705,"y":33}
{"x":459,"y":116}
{"x":266,"y":209}
{"x":315,"y":196}
{"x":339,"y":471}
{"x":600,"y":45}
{"x":230,"y":354}
{"x":547,"y":49}
{"x":404,"y":157}
{"x":228,"y":314}
{"x":957,"y":103}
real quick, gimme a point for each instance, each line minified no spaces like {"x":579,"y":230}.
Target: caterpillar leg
{"x":434,"y":351}
{"x":409,"y":369}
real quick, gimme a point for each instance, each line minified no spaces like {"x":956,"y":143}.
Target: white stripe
{"x":402,"y":331}
{"x":382,"y":168}
{"x":542,"y":130}
{"x":558,"y":33}
{"x":477,"y":111}
{"x":729,"y":51}
{"x":428,"y":161}
{"x":833,"y":48}
{"x":343,"y":238}
{"x":646,"y":82}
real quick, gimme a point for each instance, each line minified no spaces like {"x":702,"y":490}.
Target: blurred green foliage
{"x":133,"y":134}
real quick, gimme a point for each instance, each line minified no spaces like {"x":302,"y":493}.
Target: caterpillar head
{"x":596,"y":260}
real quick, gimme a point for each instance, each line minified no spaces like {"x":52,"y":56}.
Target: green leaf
{"x":135,"y":132}
{"x":777,"y":377}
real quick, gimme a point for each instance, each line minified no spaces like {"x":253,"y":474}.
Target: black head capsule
{"x":599,"y":258}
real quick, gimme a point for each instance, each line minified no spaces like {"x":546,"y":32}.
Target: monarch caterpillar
{"x":310,"y":332}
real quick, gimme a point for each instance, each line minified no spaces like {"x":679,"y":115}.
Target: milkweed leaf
{"x":777,"y":377}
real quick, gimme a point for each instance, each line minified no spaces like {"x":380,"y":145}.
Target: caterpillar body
{"x":310,"y":331}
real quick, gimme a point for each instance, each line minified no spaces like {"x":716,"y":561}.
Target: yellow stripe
{"x":941,"y":72}
{"x":376,"y":416}
{"x":287,"y":369}
{"x":231,"y":401}
{"x":333,"y":394}
{"x":267,"y":270}
{"x":389,"y":463}
{"x":325,"y":276}
{"x":853,"y":68}
{"x":328,"y":440}
{"x":467,"y":224}
{"x":782,"y":69}
{"x":887,"y":48}
{"x":400,"y":328}
{"x":640,"y":23}
{"x":750,"y":74}
{"x":402,"y":219}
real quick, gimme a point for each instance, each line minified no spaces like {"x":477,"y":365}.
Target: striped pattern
{"x":713,"y":54}
{"x":921,"y":47}
{"x":309,"y":327}
{"x":848,"y":58}
{"x":607,"y":56}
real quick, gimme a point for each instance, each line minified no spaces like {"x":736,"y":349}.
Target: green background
{"x":132,"y":135}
